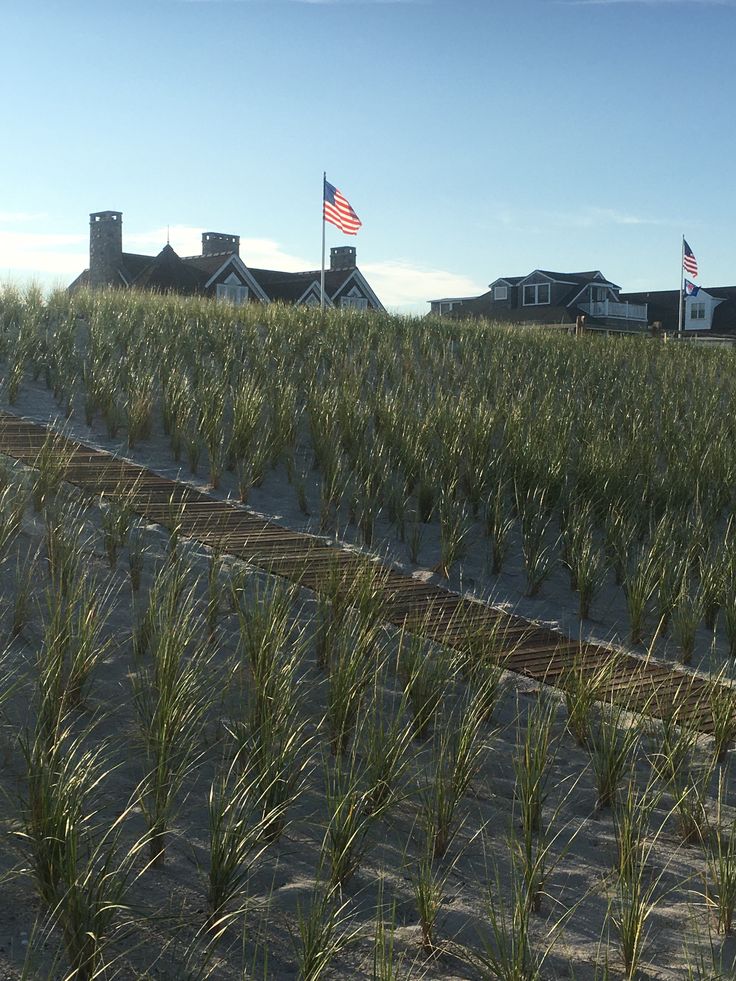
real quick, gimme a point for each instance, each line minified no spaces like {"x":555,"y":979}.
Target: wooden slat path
{"x":524,"y":647}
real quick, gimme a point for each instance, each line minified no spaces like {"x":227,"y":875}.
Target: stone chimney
{"x":105,"y":248}
{"x":342,"y":257}
{"x":215,"y":243}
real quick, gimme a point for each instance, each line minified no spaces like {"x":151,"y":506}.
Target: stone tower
{"x":105,"y":248}
{"x":342,"y":257}
{"x":217,"y":243}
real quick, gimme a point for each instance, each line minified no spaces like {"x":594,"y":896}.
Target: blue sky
{"x":475,"y":138}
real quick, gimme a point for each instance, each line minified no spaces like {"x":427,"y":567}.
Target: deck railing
{"x":610,"y":308}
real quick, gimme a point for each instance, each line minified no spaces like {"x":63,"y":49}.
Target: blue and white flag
{"x":691,"y":289}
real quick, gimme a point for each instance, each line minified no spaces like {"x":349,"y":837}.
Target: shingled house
{"x":549,"y":297}
{"x":218,"y":272}
{"x":712,"y":310}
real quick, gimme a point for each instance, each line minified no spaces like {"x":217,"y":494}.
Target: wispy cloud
{"x":593,"y":216}
{"x":54,"y":255}
{"x":402,"y":285}
{"x":589,"y":217}
{"x":186,"y":240}
{"x":19,"y":217}
{"x":67,"y":254}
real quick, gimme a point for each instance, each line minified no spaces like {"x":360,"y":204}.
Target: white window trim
{"x":549,"y":279}
{"x":500,"y":292}
{"x":697,"y":310}
{"x":353,"y":300}
{"x":232,"y":292}
{"x":237,"y":264}
{"x":612,"y":287}
{"x":358,"y":278}
{"x":536,"y":302}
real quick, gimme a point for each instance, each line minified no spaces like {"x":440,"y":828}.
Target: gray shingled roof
{"x":189,"y":274}
{"x":662,"y":307}
{"x":167,"y":271}
{"x":134,"y":264}
{"x":290,"y":286}
{"x":208,"y":264}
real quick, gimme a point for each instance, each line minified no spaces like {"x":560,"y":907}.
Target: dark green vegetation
{"x":208,"y":771}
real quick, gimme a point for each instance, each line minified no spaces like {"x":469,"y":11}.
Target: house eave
{"x":236,"y":261}
{"x":357,"y":277}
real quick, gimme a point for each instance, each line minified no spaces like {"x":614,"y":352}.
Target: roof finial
{"x":167,"y":236}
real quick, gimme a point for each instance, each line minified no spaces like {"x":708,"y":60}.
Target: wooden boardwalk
{"x":538,"y":652}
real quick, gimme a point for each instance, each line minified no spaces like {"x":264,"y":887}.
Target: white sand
{"x":284,"y":876}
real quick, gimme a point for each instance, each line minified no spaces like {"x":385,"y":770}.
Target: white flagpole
{"x":322,"y":277}
{"x":682,"y":287}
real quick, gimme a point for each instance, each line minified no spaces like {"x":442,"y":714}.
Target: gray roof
{"x":290,"y":286}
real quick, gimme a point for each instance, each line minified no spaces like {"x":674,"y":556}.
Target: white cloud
{"x":590,"y":217}
{"x":593,"y":216}
{"x":399,"y":283}
{"x":67,"y":255}
{"x":262,"y":253}
{"x":185,"y":239}
{"x":18,"y":217}
{"x":403,"y":285}
{"x":31,"y":252}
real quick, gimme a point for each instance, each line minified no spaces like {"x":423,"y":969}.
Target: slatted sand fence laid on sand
{"x":524,"y":647}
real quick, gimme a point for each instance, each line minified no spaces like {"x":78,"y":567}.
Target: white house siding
{"x":692,"y":304}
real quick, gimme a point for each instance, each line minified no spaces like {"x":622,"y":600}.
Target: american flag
{"x":689,"y":262}
{"x":337,"y":210}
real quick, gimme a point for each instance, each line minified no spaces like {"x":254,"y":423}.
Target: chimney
{"x":215,"y":243}
{"x":105,"y":248}
{"x":342,"y":257}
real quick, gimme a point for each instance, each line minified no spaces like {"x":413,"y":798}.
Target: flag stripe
{"x":337,"y":211}
{"x":689,"y":262}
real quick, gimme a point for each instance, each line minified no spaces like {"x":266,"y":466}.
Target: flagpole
{"x":682,"y":286}
{"x":322,"y":277}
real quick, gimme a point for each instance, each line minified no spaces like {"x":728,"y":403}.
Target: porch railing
{"x":610,"y":308}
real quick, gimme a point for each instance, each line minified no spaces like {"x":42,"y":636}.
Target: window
{"x":598,"y":294}
{"x":353,"y":303}
{"x":354,"y":300}
{"x":500,"y":292}
{"x":536,"y":294}
{"x":232,"y":294}
{"x":697,"y":311}
{"x":232,"y":290}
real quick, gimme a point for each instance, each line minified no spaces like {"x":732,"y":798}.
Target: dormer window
{"x":232,"y":290}
{"x":536,"y":294}
{"x":354,"y":300}
{"x":697,"y":311}
{"x":500,"y":292}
